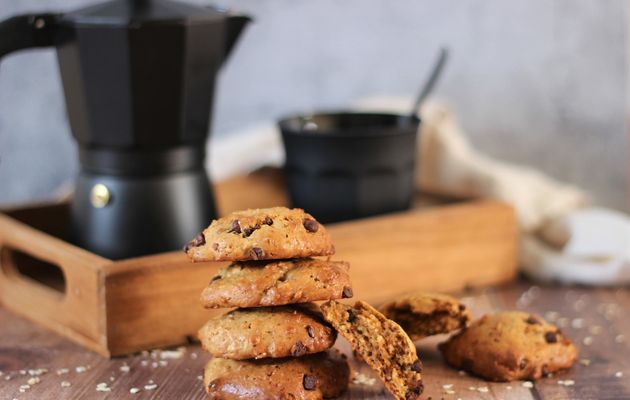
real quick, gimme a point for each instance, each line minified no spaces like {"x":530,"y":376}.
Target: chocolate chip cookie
{"x":381,"y":343}
{"x":508,"y":346}
{"x":313,"y":377}
{"x":245,"y":333}
{"x":426,"y":314}
{"x":261,"y":234}
{"x":271,"y":283}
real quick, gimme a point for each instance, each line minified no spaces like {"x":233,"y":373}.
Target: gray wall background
{"x":539,"y":82}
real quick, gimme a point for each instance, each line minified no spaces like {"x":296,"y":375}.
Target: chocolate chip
{"x":216,"y":278}
{"x":416,"y":366}
{"x":298,"y":349}
{"x":309,"y":330}
{"x":532,"y":320}
{"x":545,"y":370}
{"x":347,"y":292}
{"x":311,"y":225}
{"x":468,"y":364}
{"x":414,"y":391}
{"x":551,"y":337}
{"x":523,"y":363}
{"x":235,"y":228}
{"x":248,"y":230}
{"x":199,"y":240}
{"x":215,"y":246}
{"x":256,"y":253}
{"x":351,"y":316}
{"x":268,"y":221}
{"x":309,"y":382}
{"x":462,"y":307}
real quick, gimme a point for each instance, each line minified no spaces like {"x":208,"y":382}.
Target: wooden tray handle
{"x":53,"y":282}
{"x":40,"y":275}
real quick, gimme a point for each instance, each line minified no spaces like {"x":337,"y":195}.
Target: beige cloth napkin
{"x":450,"y":165}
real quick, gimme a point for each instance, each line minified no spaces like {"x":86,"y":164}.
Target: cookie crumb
{"x":62,"y":371}
{"x":447,"y":386}
{"x":585,"y":361}
{"x":150,"y":386}
{"x":134,"y":390}
{"x":172,"y":354}
{"x":482,"y":389}
{"x":587,"y":341}
{"x":528,"y":384}
{"x":65,"y":384}
{"x":80,"y":369}
{"x":24,"y":388}
{"x":33,"y":381}
{"x":125,"y":368}
{"x":577,"y":323}
{"x":568,"y":382}
{"x":595,"y":330}
{"x":37,"y":372}
{"x":102,"y":387}
{"x":360,"y":379}
{"x":551,"y":316}
{"x":618,"y":374}
{"x":619,"y":339}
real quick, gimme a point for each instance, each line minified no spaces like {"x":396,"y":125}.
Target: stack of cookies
{"x":276,"y":343}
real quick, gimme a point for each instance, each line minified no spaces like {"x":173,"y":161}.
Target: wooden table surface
{"x":596,"y":319}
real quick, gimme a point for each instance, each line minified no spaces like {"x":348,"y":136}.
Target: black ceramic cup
{"x":345,"y":165}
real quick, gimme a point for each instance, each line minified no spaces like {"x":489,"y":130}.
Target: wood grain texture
{"x":24,"y":346}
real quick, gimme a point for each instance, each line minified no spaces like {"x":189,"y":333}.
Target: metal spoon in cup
{"x":428,"y":86}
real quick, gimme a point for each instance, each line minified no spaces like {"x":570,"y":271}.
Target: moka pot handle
{"x":27,"y":31}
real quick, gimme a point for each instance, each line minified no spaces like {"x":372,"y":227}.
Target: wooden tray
{"x":120,"y":307}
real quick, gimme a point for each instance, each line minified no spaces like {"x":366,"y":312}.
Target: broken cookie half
{"x":424,"y":314}
{"x":381,"y":343}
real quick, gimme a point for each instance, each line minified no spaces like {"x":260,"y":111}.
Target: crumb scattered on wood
{"x":361,"y":379}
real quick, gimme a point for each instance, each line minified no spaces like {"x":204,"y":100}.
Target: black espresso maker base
{"x":121,"y":217}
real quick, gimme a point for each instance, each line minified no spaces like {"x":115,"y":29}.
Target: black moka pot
{"x":138,"y":78}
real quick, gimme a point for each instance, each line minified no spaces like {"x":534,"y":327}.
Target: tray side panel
{"x":154,"y":301}
{"x":442,"y":249}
